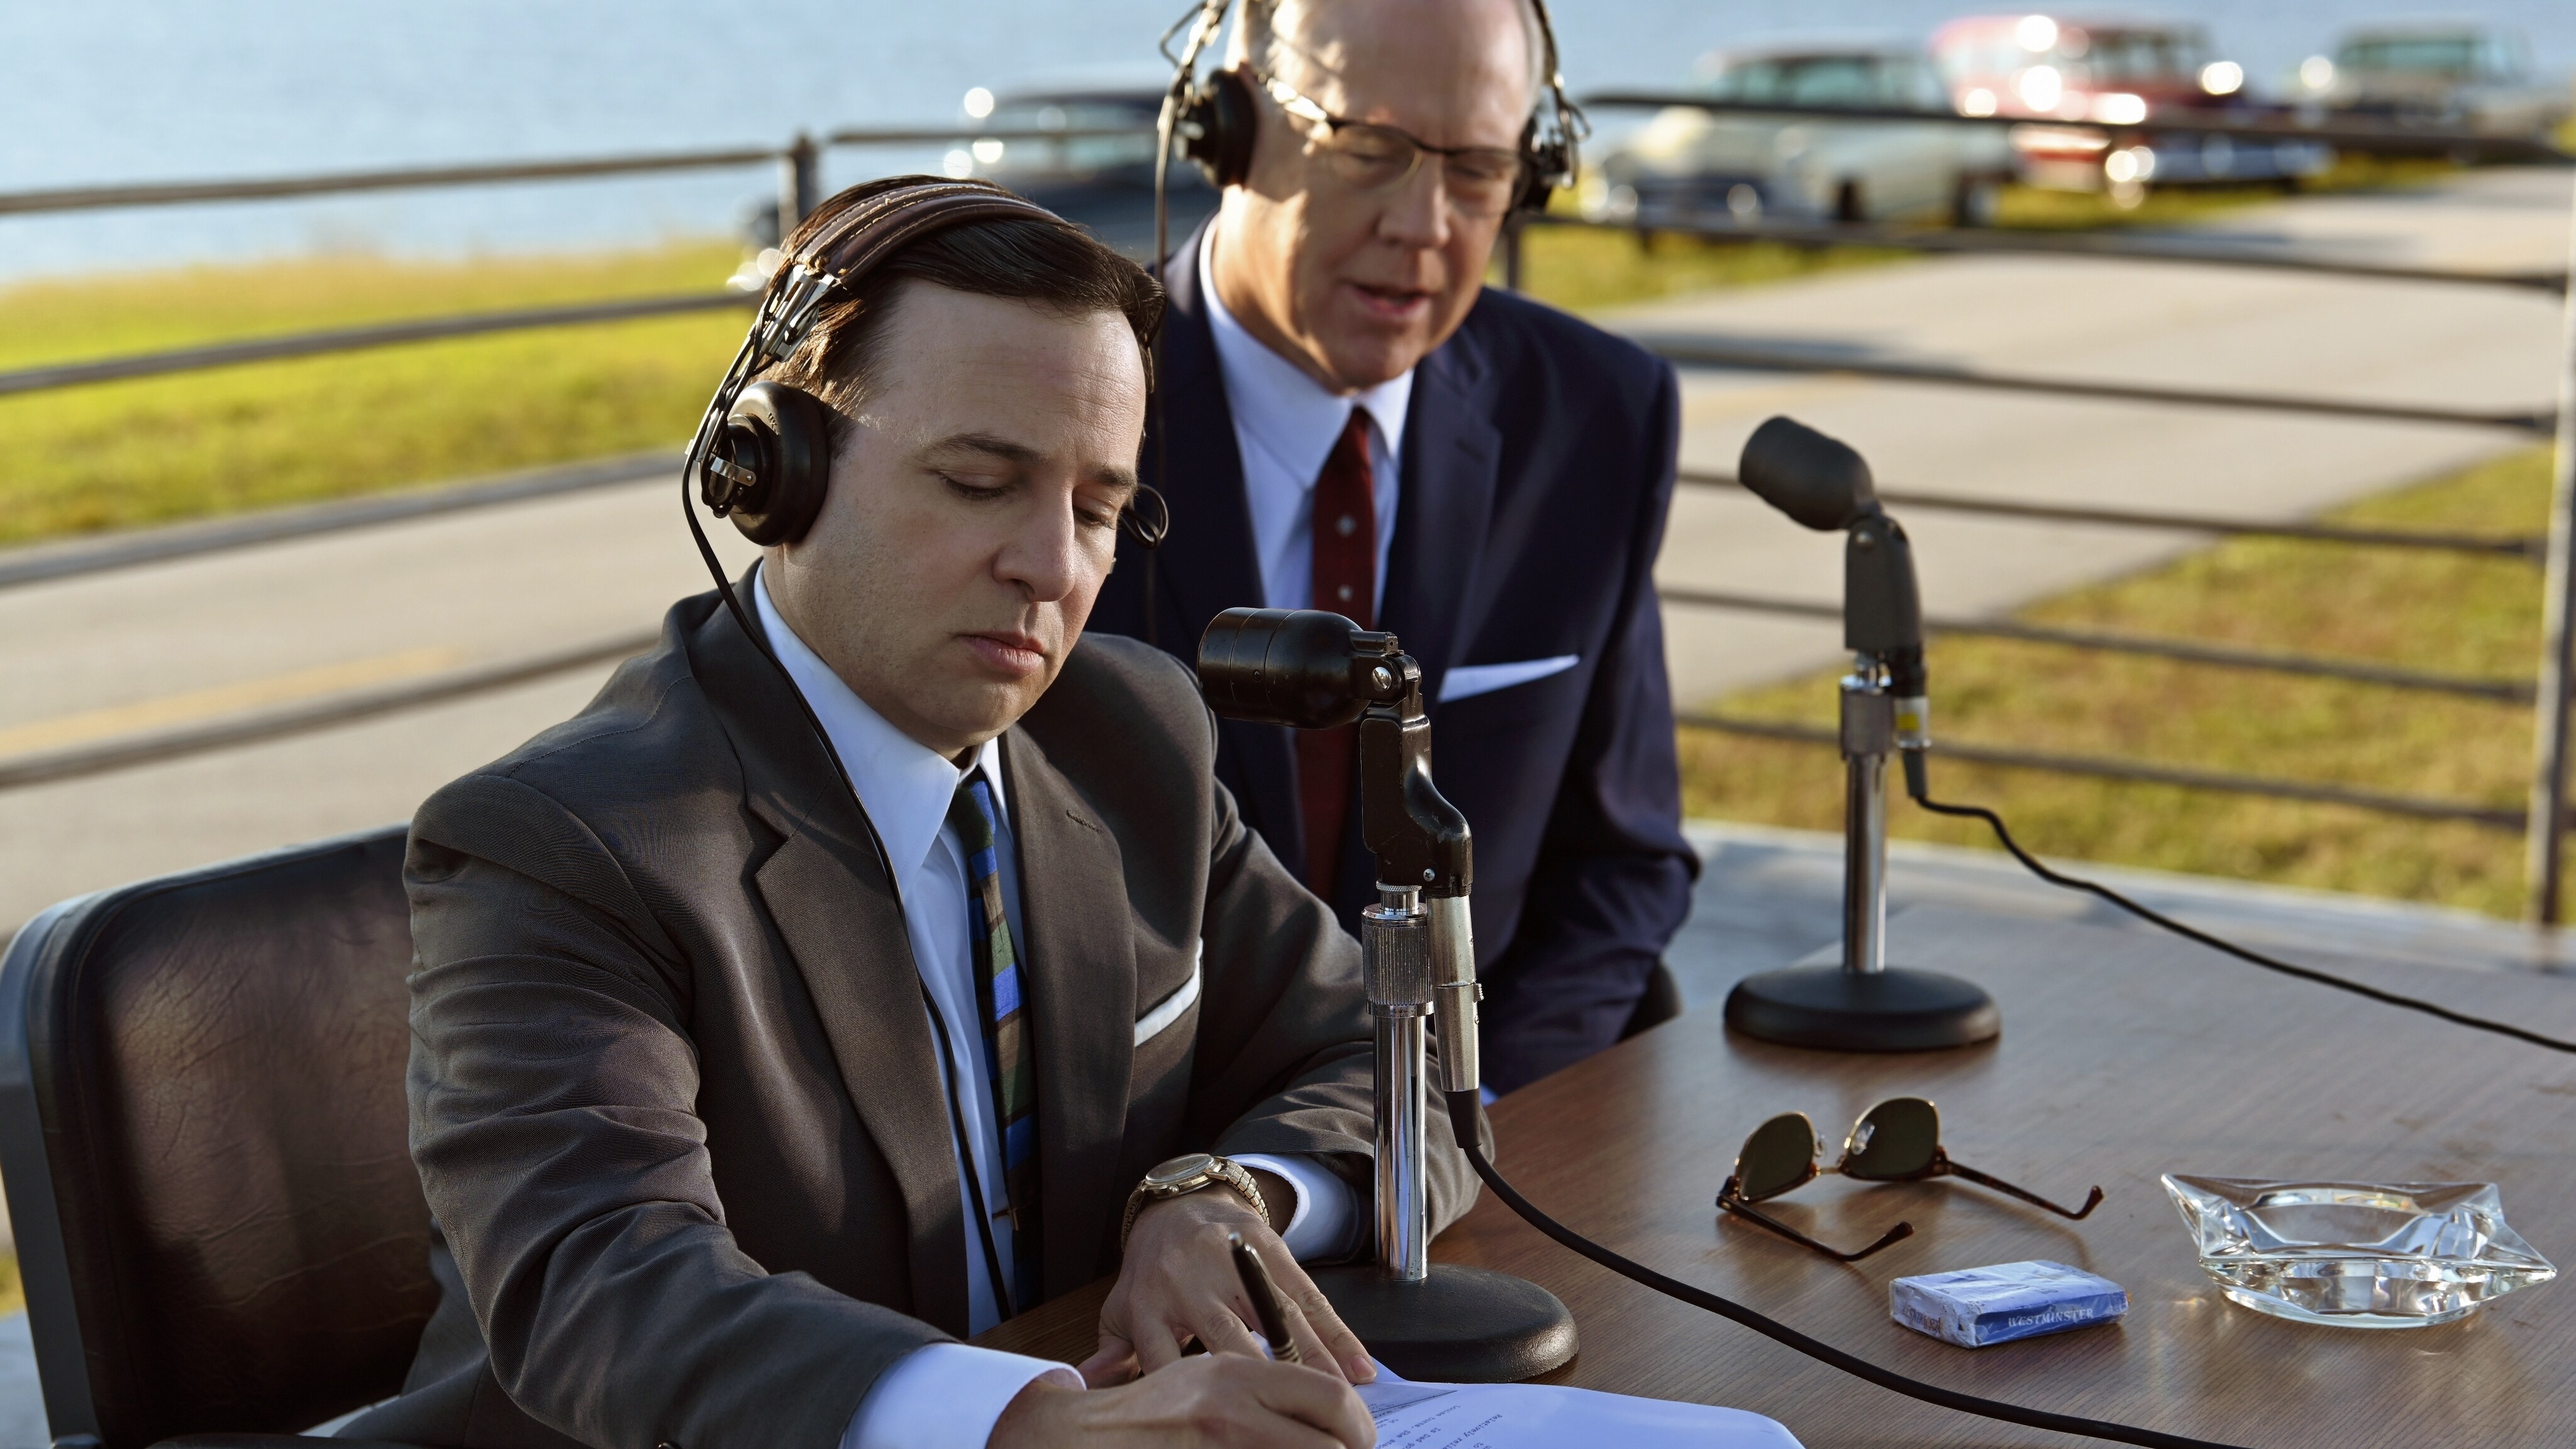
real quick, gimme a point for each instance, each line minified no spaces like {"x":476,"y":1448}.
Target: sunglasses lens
{"x":1779,"y":1155}
{"x":1895,"y":1140}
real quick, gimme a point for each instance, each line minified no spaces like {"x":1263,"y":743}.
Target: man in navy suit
{"x":1356,"y":423}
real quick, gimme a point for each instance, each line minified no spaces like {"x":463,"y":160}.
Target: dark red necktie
{"x":1345,"y":582}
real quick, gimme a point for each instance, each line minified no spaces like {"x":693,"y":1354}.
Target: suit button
{"x":666,"y":1444}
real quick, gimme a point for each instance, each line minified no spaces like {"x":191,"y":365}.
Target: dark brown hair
{"x":1055,"y":265}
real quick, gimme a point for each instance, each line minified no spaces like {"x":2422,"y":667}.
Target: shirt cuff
{"x":1325,"y":1223}
{"x":946,"y":1396}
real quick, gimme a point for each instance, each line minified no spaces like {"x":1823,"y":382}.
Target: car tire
{"x":1851,"y":208}
{"x":1973,"y":201}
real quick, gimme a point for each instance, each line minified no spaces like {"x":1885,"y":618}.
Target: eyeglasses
{"x":1480,"y":180}
{"x":1899,"y":1140}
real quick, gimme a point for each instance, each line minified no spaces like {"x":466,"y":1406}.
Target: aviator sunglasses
{"x":1899,"y":1140}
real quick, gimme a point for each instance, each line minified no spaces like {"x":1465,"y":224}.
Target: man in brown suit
{"x":725,"y":1118}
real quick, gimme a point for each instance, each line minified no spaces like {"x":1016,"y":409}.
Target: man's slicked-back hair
{"x":1053,"y":265}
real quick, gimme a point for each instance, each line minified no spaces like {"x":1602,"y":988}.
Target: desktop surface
{"x":2126,"y":1053}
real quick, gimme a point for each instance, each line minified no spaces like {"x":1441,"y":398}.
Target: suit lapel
{"x":1209,"y":565}
{"x":843,"y":925}
{"x":1452,"y":456}
{"x":1081,"y":967}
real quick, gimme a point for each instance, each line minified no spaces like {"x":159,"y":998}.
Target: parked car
{"x":2449,"y":77}
{"x":2125,"y":74}
{"x":1104,"y":183}
{"x":1031,"y":167}
{"x":1689,"y":165}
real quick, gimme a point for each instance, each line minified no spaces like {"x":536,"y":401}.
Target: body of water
{"x":125,"y":90}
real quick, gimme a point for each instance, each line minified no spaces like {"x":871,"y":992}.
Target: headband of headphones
{"x":1214,"y":122}
{"x":850,"y":236}
{"x":758,"y":453}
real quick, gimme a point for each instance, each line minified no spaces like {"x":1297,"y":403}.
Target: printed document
{"x":1542,"y":1416}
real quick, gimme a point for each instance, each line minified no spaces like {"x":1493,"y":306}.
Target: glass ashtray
{"x":2357,"y":1254}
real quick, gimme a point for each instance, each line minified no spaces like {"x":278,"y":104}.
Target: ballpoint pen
{"x":1265,"y":1299}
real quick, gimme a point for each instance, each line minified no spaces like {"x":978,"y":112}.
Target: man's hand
{"x":1241,"y":1403}
{"x":1178,"y":1283}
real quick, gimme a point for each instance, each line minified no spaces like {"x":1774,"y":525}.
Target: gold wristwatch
{"x":1184,"y":1175}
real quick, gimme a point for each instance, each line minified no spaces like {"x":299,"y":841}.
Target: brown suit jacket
{"x":674,"y":1095}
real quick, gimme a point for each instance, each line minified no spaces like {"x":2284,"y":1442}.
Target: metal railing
{"x":801,"y":152}
{"x":798,"y":162}
{"x":2018,"y":241}
{"x":2342,"y":133}
{"x":2544,"y":821}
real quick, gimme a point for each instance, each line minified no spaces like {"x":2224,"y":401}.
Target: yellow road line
{"x":198,"y":705}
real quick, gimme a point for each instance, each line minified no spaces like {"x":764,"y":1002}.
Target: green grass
{"x":2441,"y":612}
{"x":2029,"y":208}
{"x":152,"y":450}
{"x":163,"y":449}
{"x":1582,"y":269}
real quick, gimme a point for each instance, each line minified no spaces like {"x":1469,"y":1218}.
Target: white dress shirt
{"x":950,"y":1394}
{"x":1285,"y":426}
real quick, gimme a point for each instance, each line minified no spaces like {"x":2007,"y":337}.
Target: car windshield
{"x":2444,"y":55}
{"x":1815,"y":80}
{"x":2141,"y":55}
{"x":1072,"y":113}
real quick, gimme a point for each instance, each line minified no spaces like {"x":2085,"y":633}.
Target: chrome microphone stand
{"x":1310,"y":670}
{"x":1864,"y":1004}
{"x":1395,"y":963}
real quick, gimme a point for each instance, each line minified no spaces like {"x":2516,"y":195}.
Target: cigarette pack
{"x":1974,"y":1307}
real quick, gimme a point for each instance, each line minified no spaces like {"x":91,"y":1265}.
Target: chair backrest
{"x":203,"y":1136}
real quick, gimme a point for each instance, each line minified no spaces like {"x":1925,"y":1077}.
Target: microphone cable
{"x":1462,"y":1121}
{"x":1918,"y":785}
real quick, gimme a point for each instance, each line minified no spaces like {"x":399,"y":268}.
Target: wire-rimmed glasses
{"x":1899,"y":1140}
{"x":1365,"y":156}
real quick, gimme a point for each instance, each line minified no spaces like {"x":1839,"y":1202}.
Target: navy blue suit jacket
{"x":1537,"y":464}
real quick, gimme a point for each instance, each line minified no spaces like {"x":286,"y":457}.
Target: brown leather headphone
{"x":762,"y":455}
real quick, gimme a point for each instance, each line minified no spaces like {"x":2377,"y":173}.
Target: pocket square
{"x":1153,"y":1023}
{"x":1465,"y":681}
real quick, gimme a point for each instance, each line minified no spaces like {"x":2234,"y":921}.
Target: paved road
{"x":107,"y":656}
{"x":2488,"y":349}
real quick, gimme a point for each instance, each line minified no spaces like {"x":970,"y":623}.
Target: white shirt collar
{"x":905,"y":785}
{"x":1277,"y":407}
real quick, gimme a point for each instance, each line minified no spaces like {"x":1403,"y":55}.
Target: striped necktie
{"x":1009,"y":1054}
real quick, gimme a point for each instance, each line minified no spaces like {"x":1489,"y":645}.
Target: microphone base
{"x":1461,"y":1325}
{"x":1832,"y":1009}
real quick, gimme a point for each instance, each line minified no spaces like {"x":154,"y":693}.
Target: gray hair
{"x":1256,"y":39}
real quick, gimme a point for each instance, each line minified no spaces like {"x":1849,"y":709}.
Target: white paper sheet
{"x":1542,"y":1416}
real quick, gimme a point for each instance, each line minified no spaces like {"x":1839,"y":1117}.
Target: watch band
{"x":1179,"y":1177}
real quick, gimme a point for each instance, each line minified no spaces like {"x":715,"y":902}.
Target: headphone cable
{"x":1918,"y":786}
{"x":885,"y":865}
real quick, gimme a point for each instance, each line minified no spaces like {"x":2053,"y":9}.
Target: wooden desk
{"x":2125,"y":1054}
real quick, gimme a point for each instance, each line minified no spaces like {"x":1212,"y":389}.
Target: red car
{"x":2119,"y":74}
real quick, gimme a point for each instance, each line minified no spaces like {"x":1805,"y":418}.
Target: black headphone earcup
{"x":1216,"y":126}
{"x":782,"y":436}
{"x":1545,"y":165}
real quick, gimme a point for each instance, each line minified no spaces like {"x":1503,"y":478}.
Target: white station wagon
{"x":1691,"y":166}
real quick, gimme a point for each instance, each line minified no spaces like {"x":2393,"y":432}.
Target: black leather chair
{"x":203,"y":1134}
{"x":1661,"y":1003}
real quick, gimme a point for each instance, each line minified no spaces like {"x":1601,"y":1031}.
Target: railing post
{"x":1512,"y":252}
{"x":2546,"y":836}
{"x":799,"y":182}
